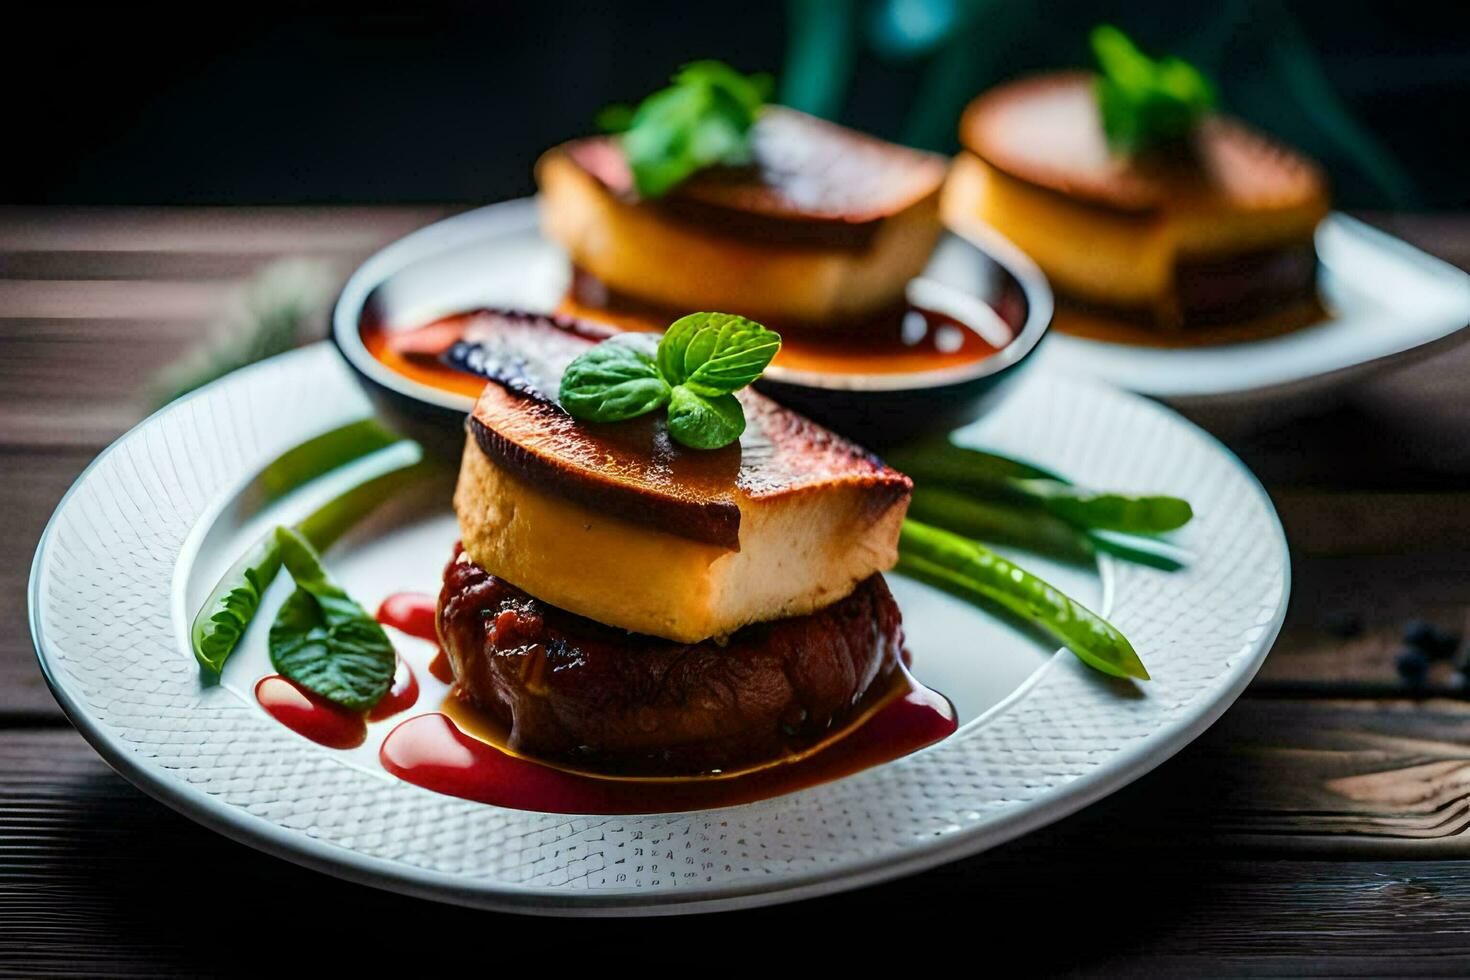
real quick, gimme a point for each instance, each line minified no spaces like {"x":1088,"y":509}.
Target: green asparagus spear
{"x":225,"y":615}
{"x":958,"y":564}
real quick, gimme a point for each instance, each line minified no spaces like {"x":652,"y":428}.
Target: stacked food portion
{"x":628,"y":602}
{"x":1136,"y":197}
{"x":712,"y":200}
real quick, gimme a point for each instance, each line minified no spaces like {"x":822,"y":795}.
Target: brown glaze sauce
{"x":906,"y":341}
{"x":460,"y":752}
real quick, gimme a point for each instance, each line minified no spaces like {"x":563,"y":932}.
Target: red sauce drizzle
{"x":311,"y":715}
{"x":404,"y":694}
{"x":411,"y":613}
{"x":441,"y":669}
{"x":432,"y":752}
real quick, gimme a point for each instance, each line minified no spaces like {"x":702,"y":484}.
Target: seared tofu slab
{"x":824,"y":225}
{"x":620,"y":524}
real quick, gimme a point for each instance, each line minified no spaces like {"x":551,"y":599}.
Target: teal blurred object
{"x":1266,"y":69}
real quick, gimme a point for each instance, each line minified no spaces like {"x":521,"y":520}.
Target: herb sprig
{"x":694,"y":369}
{"x":702,"y":119}
{"x":322,"y":639}
{"x":1146,"y":103}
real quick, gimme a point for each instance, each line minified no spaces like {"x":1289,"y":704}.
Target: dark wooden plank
{"x":1382,"y":593}
{"x":80,"y":383}
{"x":98,"y":264}
{"x":95,"y":877}
{"x":1362,"y":777}
{"x":220,"y":230}
{"x":34,"y":482}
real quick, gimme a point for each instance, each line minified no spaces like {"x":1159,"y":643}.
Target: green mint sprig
{"x":694,"y":369}
{"x":702,"y":119}
{"x":1146,"y":103}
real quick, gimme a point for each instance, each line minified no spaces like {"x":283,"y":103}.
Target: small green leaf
{"x":716,"y":353}
{"x":1145,"y":103}
{"x":322,"y":639}
{"x":751,"y":91}
{"x":615,"y":380}
{"x":704,"y":422}
{"x":701,"y":120}
{"x":700,"y":361}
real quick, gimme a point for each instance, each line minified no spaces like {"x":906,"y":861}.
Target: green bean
{"x":1106,"y":511}
{"x":966,"y":567}
{"x":223,"y":618}
{"x":1022,"y":525}
{"x":301,"y":464}
{"x":1140,"y":550}
{"x":943,"y":462}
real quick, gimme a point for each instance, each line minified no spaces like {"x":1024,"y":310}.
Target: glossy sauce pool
{"x":913,"y":340}
{"x":459,"y":751}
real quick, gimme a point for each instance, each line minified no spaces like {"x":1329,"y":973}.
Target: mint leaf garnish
{"x":696,"y":368}
{"x":702,"y":119}
{"x":704,"y":421}
{"x":615,"y":380}
{"x":1146,"y":103}
{"x":716,"y":353}
{"x":322,"y":639}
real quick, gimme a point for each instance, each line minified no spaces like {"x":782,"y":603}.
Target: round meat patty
{"x":571,"y":689}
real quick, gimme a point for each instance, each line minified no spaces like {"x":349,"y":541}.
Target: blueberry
{"x":1412,"y":665}
{"x":1431,"y":639}
{"x":1418,"y":633}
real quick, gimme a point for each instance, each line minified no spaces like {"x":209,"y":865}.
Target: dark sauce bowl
{"x":495,"y":257}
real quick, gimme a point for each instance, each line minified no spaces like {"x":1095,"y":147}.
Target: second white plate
{"x":1387,"y":301}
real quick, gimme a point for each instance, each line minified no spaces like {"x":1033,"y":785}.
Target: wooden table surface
{"x":1320,"y":827}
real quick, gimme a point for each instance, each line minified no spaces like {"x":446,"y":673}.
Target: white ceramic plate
{"x":137,"y":542}
{"x":1387,"y":300}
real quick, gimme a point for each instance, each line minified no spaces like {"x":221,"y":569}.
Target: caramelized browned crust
{"x":573,"y":690}
{"x":1046,"y":130}
{"x":809,"y":181}
{"x":634,"y":471}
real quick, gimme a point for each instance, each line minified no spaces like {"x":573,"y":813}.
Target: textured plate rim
{"x":229,"y":819}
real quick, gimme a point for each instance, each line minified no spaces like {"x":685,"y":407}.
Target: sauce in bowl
{"x":917,"y":339}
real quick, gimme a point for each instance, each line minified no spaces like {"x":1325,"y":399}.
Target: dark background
{"x":446,"y":102}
